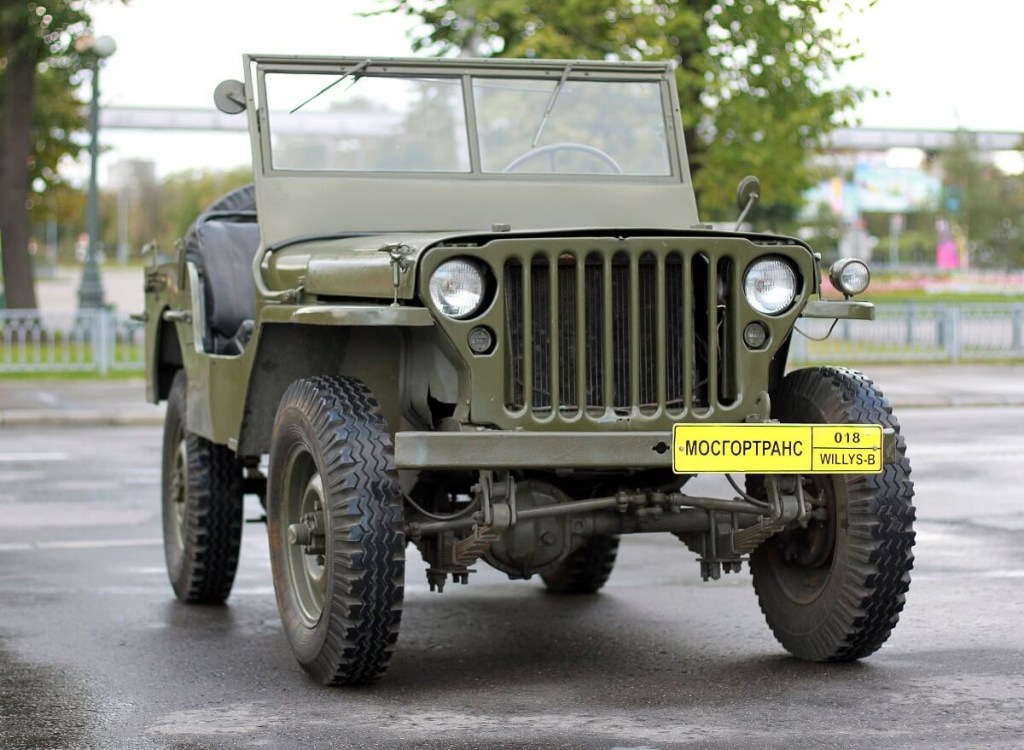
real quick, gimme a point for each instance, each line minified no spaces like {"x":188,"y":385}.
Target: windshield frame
{"x":467,"y":71}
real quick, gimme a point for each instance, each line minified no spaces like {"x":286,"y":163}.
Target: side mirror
{"x":748,"y":193}
{"x":229,"y":97}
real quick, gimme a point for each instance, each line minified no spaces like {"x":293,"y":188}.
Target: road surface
{"x":95,"y":653}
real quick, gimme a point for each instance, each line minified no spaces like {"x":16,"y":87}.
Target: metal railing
{"x":103,"y":341}
{"x":99,"y":341}
{"x":917,"y":332}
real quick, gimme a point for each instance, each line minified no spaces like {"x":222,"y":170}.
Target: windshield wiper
{"x":551,"y":103}
{"x":353,"y":71}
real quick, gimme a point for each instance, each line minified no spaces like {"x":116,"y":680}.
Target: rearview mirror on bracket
{"x":229,"y":97}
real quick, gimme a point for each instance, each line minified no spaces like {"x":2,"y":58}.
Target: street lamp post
{"x":90,"y":292}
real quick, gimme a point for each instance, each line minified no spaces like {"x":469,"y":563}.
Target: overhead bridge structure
{"x":843,"y":139}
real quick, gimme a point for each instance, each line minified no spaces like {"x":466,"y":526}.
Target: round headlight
{"x":457,"y":288}
{"x":850,"y":276}
{"x":770,"y":285}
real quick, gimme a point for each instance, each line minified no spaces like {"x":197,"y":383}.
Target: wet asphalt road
{"x":95,"y":653}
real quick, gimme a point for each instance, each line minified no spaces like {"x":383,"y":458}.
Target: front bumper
{"x":533,"y":450}
{"x":548,"y":450}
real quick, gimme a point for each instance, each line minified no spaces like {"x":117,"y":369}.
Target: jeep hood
{"x":362,"y":267}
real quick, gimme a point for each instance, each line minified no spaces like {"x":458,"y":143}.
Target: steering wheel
{"x":554,"y":148}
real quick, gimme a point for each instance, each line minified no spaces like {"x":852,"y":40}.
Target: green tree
{"x":39,"y":113}
{"x":986,"y":205}
{"x":753,"y":75}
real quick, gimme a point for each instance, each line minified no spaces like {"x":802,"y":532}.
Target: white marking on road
{"x":954,"y":452}
{"x":98,"y":543}
{"x":252,"y":591}
{"x":19,"y":547}
{"x":1004,"y":574}
{"x":78,"y":544}
{"x":8,"y":458}
{"x":67,"y":514}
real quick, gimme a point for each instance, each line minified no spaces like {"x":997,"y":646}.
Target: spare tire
{"x":239,"y":199}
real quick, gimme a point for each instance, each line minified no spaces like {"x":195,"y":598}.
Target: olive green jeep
{"x":468,"y":304}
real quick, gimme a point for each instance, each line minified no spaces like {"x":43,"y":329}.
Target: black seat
{"x":223,"y":250}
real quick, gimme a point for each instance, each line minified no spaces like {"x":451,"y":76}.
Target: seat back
{"x":224,"y":253}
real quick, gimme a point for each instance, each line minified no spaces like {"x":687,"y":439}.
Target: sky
{"x":943,"y":63}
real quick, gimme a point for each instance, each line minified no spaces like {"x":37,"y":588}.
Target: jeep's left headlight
{"x":770,"y":285}
{"x":457,"y":288}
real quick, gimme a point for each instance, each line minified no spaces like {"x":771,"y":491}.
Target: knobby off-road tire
{"x":202,"y":508}
{"x":834,"y":591}
{"x":332,"y":465}
{"x":586,"y":570}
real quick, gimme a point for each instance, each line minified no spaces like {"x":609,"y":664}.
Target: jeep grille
{"x":615,"y":333}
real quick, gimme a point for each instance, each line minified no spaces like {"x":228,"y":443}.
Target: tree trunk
{"x":16,"y":150}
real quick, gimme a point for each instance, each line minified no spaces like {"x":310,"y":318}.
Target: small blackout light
{"x":480,"y":340}
{"x":755,"y":335}
{"x":850,"y":276}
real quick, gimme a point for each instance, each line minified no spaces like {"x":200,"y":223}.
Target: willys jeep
{"x":469,"y":305}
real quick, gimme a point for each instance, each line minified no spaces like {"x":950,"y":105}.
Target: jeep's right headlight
{"x":457,"y":288}
{"x":770,"y":285}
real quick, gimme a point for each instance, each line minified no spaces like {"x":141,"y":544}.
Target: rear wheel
{"x":834,"y":590}
{"x":586,"y":570}
{"x":334,"y":515}
{"x":202,"y":507}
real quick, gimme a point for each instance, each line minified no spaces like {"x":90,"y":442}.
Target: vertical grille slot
{"x":540,"y":328}
{"x":646,"y":302}
{"x":727,"y":339}
{"x":618,"y":332}
{"x":514,"y":335}
{"x":568,"y":341}
{"x":594,"y":332}
{"x":676,"y":319}
{"x":621,"y":314}
{"x":701,"y":315}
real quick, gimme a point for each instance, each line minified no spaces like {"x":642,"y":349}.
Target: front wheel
{"x":833,"y":591}
{"x":334,"y":517}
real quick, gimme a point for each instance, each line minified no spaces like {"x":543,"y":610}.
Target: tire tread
{"x":366,"y":525}
{"x":214,"y":500}
{"x":880,"y":534}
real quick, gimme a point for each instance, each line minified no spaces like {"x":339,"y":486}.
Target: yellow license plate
{"x":777,"y":448}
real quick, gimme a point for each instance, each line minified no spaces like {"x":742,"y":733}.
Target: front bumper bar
{"x":533,"y":450}
{"x":548,"y":450}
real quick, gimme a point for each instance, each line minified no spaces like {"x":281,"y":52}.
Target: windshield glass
{"x":358,"y":120}
{"x":584,"y":127}
{"x":327,"y":121}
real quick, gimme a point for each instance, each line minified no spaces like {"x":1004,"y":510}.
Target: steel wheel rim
{"x":179,"y":491}
{"x":307,"y":574}
{"x":802,"y":581}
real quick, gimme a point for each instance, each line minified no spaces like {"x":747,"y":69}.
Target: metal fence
{"x":103,"y":341}
{"x":916,"y":332}
{"x":99,"y":341}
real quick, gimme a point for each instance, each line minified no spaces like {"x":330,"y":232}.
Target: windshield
{"x":584,"y":127}
{"x":348,"y":120}
{"x":366,"y":123}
